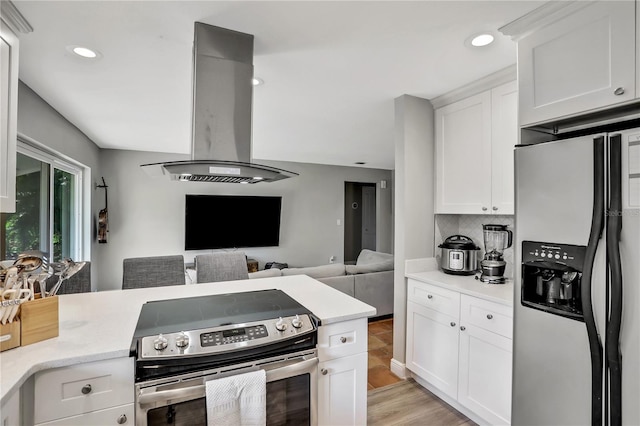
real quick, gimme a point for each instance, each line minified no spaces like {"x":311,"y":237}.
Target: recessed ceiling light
{"x":481,"y":40}
{"x":258,"y":178}
{"x":84,"y":52}
{"x":257,"y":81}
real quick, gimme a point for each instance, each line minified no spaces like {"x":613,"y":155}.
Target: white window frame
{"x":33,"y":149}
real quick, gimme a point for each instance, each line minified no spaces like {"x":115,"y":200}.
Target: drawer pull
{"x":489,"y":316}
{"x":86,"y":389}
{"x":463,"y":328}
{"x":343,"y":339}
{"x":122,"y":419}
{"x":484,"y":209}
{"x":453,"y":324}
{"x":324,"y":371}
{"x":619,"y":91}
{"x":429,"y":296}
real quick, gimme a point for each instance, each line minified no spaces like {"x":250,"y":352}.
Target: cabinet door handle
{"x":122,"y":419}
{"x":495,"y":209}
{"x":463,"y":328}
{"x":484,"y":209}
{"x":86,"y":389}
{"x":619,"y":91}
{"x":324,"y":371}
{"x":489,"y":316}
{"x":453,"y":324}
{"x":343,"y":339}
{"x":429,"y":296}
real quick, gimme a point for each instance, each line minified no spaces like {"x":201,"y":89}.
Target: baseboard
{"x":381,"y":318}
{"x":399,"y":369}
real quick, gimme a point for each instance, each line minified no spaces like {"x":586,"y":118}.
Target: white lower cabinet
{"x":484,"y":382}
{"x":432,"y":341}
{"x":92,"y":393}
{"x":342,"y":373}
{"x":464,"y":352}
{"x":340,"y":394}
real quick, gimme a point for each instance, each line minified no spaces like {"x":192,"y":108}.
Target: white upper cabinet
{"x":582,"y":62}
{"x":475,"y":138}
{"x":8,"y":117}
{"x":463,"y":155}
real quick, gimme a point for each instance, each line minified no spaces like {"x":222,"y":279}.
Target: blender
{"x":497,"y":238}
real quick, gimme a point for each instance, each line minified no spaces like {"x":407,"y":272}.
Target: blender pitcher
{"x":497,"y":238}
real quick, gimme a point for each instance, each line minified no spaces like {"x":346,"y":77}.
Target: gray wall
{"x":46,"y":128}
{"x":414,"y":197}
{"x":146,"y":215}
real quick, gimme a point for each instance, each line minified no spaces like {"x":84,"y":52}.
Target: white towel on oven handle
{"x":237,"y":400}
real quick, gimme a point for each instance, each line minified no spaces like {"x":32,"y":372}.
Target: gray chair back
{"x":155,"y":271}
{"x":80,"y":282}
{"x":223,"y":266}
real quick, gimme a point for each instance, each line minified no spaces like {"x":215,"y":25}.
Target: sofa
{"x":370,"y":280}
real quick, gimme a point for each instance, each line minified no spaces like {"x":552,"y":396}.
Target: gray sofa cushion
{"x":367,"y":257}
{"x":387,"y":265}
{"x":322,"y":271}
{"x":344,"y":283}
{"x":376,"y":289}
{"x":371,"y":261}
{"x":266,"y":273}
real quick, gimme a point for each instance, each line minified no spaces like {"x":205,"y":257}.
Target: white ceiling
{"x":331,"y":69}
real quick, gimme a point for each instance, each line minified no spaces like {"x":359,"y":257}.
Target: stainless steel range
{"x":181,"y":344}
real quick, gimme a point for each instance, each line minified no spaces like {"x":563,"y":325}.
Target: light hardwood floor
{"x":408,"y":403}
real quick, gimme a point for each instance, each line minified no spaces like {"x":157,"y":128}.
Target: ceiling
{"x":331,"y":69}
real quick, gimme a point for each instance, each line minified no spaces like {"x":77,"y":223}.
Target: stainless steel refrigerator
{"x":577,"y":279}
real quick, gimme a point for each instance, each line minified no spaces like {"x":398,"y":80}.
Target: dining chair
{"x":154,"y":271}
{"x":222,"y":266}
{"x":80,"y":282}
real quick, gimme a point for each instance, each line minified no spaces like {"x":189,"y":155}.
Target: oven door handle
{"x":199,"y":391}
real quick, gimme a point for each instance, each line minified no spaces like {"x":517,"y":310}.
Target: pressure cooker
{"x":459,"y":255}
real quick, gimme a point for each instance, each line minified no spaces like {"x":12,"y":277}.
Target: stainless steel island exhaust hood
{"x":221,"y":128}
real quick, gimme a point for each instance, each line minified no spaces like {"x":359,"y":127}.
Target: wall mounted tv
{"x":230,"y":221}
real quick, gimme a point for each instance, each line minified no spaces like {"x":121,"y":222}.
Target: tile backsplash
{"x":471,"y":226}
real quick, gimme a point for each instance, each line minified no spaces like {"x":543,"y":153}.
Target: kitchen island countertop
{"x":427,"y":271}
{"x":100,"y":325}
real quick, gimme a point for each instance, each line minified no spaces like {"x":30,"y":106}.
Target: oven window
{"x":289,"y":401}
{"x":288,"y":404}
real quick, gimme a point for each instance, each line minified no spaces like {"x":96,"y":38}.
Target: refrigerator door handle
{"x":614,"y":266}
{"x":597,"y":226}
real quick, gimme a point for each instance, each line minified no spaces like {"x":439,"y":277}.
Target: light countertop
{"x":427,"y":271}
{"x":100,"y":325}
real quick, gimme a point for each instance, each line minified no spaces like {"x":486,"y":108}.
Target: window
{"x":48,"y":200}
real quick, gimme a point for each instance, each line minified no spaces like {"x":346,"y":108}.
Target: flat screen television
{"x":231,"y":221}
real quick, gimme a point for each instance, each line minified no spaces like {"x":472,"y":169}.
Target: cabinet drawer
{"x":83,"y":388}
{"x":488,"y":315}
{"x":123,"y":415}
{"x":342,"y":339}
{"x":434,"y":297}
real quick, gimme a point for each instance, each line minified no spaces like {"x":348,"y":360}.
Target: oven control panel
{"x":233,"y":335}
{"x":225,"y":338}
